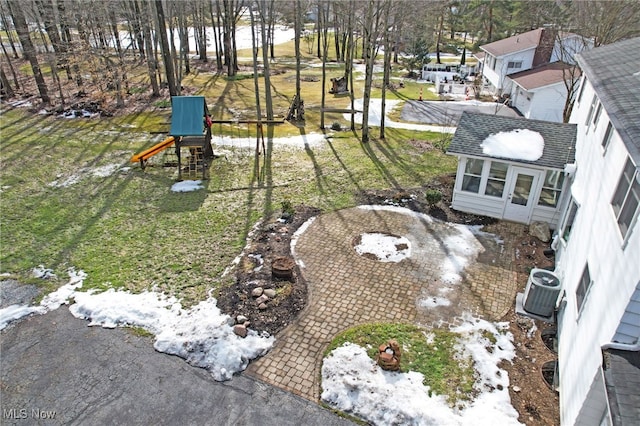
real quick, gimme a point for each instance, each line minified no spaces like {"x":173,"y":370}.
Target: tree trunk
{"x":266,"y":15}
{"x":7,"y":26}
{"x":29,"y":50}
{"x":323,"y":15}
{"x":164,"y":45}
{"x":13,"y":71}
{"x":298,"y":101}
{"x":152,"y":63}
{"x":5,"y":86}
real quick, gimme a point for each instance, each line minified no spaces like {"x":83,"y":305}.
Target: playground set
{"x":191,"y":129}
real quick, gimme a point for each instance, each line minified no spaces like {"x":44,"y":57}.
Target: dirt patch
{"x":270,"y":243}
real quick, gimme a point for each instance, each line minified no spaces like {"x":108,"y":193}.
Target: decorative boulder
{"x":541,"y":231}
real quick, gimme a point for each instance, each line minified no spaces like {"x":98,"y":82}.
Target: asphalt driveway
{"x":448,"y":113}
{"x":57,"y":370}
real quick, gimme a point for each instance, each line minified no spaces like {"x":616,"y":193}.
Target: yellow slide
{"x":147,"y":153}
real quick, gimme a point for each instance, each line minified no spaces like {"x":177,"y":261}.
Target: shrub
{"x":433,"y":196}
{"x":336,"y":126}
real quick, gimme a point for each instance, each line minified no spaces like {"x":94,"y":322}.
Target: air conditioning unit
{"x":541,"y":293}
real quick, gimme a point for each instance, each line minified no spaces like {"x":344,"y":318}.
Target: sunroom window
{"x":626,"y":198}
{"x":497,"y":179}
{"x":472,"y":175}
{"x":551,"y":188}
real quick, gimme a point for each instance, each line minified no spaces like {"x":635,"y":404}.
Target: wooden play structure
{"x":190,"y":129}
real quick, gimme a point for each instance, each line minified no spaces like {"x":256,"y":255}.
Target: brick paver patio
{"x":347,"y":289}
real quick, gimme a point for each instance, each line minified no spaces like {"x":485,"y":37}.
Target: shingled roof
{"x":614,"y":73}
{"x":622,"y":379}
{"x":516,"y":43}
{"x":543,"y":76}
{"x":473,"y":128}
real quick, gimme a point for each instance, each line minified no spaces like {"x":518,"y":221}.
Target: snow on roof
{"x":474,"y":128}
{"x":518,"y":144}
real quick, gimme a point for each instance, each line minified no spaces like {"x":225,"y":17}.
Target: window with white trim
{"x":472,"y":175}
{"x":497,"y":179}
{"x":607,"y":137}
{"x":551,"y":188}
{"x":626,"y":198}
{"x":596,"y":116}
{"x":594,"y":101}
{"x":564,"y":230}
{"x":583,"y":288}
{"x":514,"y":64}
{"x":584,"y":83}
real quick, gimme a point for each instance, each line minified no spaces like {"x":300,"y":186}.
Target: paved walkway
{"x":346,"y":289}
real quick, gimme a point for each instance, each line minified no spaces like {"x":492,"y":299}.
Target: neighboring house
{"x":541,"y":93}
{"x":511,"y":168}
{"x":523,"y":52}
{"x":598,"y":246}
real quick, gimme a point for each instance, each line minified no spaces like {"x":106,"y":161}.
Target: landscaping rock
{"x":257,"y":292}
{"x":262,"y":299}
{"x":262,"y":306}
{"x":241,"y":319}
{"x":541,"y":231}
{"x":240,"y":330}
{"x":270,"y":293}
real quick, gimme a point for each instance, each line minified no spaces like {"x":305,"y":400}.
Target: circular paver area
{"x":449,"y":271}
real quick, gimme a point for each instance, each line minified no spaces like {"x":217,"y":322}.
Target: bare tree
{"x":28,"y":49}
{"x":164,"y":45}
{"x":371,"y":31}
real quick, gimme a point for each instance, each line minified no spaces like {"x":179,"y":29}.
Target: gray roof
{"x":622,"y":379}
{"x":614,"y":72}
{"x":473,"y":128}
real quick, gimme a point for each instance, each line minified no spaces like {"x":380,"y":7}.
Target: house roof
{"x":516,"y":43}
{"x":474,"y":128}
{"x":622,"y":380}
{"x":542,"y":76}
{"x":614,"y":73}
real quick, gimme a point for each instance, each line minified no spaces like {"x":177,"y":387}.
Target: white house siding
{"x":629,"y":328}
{"x":544,"y":103}
{"x":613,"y":263}
{"x":496,"y":75}
{"x":478,"y":203}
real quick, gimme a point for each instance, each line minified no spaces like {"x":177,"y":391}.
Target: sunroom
{"x":512,"y":168}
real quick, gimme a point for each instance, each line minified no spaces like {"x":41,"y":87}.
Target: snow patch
{"x":201,"y":335}
{"x":312,"y":139}
{"x":353,"y":383}
{"x":518,"y":144}
{"x":385,"y":247}
{"x":187,"y":186}
{"x":432,"y":302}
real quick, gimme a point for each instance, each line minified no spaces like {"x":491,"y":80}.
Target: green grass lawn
{"x":129,"y":230}
{"x":434,"y":354}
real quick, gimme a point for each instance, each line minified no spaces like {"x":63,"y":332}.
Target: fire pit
{"x":282,"y":267}
{"x":389,"y":356}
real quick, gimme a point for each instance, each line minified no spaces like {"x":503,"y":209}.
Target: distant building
{"x":523,"y":52}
